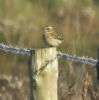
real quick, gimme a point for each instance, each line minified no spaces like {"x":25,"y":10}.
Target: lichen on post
{"x":45,"y":67}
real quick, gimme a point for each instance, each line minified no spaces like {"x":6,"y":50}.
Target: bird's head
{"x":48,"y":29}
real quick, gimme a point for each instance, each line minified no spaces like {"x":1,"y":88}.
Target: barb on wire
{"x":16,"y":50}
{"x":85,"y":60}
{"x":24,"y":51}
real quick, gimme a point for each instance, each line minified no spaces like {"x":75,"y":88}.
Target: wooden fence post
{"x":45,"y":66}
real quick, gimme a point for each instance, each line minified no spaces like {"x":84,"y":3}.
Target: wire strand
{"x":74,"y":58}
{"x":16,"y":50}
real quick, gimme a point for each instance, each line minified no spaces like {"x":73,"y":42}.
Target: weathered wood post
{"x":45,"y":74}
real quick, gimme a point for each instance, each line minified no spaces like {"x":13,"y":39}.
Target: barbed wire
{"x":73,"y":58}
{"x":16,"y":50}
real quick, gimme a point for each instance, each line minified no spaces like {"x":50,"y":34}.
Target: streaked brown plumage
{"x":51,"y":38}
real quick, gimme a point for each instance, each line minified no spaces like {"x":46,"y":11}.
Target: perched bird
{"x":51,"y":38}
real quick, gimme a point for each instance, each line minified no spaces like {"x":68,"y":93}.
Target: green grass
{"x":79,"y":29}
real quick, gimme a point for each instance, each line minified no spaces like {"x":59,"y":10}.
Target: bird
{"x":51,"y":38}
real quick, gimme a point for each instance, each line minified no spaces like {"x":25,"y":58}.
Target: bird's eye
{"x":48,"y":28}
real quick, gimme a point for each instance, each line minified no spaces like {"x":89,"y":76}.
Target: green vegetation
{"x":22,"y":23}
{"x":77,"y":21}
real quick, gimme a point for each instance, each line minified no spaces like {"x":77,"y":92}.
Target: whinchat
{"x":51,"y":38}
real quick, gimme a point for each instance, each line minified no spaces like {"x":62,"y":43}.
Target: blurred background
{"x":22,"y":23}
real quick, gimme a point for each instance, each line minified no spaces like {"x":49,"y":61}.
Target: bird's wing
{"x":56,"y":36}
